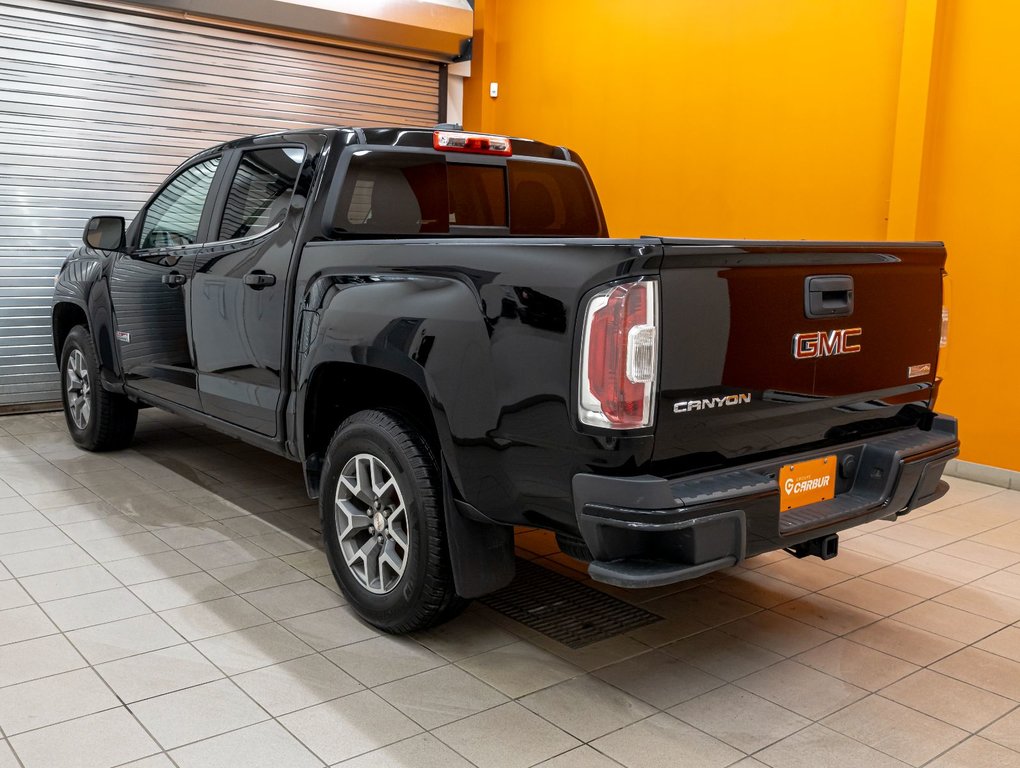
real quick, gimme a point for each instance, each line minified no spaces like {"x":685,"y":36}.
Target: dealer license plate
{"x":806,"y":482}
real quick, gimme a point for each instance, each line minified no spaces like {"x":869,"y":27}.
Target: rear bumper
{"x":648,"y":531}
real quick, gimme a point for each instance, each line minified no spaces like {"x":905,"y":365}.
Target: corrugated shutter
{"x":97,"y":106}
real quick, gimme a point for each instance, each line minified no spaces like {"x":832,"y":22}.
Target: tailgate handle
{"x":829,"y":296}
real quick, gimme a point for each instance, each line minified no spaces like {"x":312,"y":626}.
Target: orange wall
{"x":971,"y":199}
{"x":759,"y":118}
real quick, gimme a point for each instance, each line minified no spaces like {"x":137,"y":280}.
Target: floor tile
{"x":24,"y":623}
{"x":606,"y":708}
{"x":128,"y":637}
{"x":192,"y":714}
{"x":78,"y":513}
{"x":264,"y":745}
{"x":896,"y":730}
{"x":123,"y":547}
{"x":7,"y":758}
{"x":468,"y":635}
{"x":656,"y":743}
{"x":722,"y":655}
{"x":915,"y":582}
{"x":69,"y":583}
{"x":331,"y":628}
{"x":777,"y":633}
{"x":290,"y":600}
{"x":949,"y":700}
{"x":1003,"y":582}
{"x":1005,"y":731}
{"x":948,"y":622}
{"x":40,"y":657}
{"x":248,"y":649}
{"x":403,"y":657}
{"x":819,"y":747}
{"x":801,"y":689}
{"x":344,"y":728}
{"x":982,"y":602}
{"x":53,"y":699}
{"x":493,"y":738}
{"x":259,"y":574}
{"x":22,"y":521}
{"x":658,"y":678}
{"x":104,"y":528}
{"x":29,"y":541}
{"x":1004,"y":643}
{"x":97,"y":741}
{"x":519,"y":669}
{"x":154,"y":567}
{"x":297,"y":684}
{"x":178,"y":591}
{"x":825,"y":613}
{"x":758,"y":588}
{"x":440,"y":696}
{"x":905,"y":642}
{"x":421,"y":751}
{"x":13,"y":595}
{"x":72,"y":613}
{"x":981,"y":553}
{"x":871,"y":596}
{"x":223,"y":553}
{"x":739,"y":718}
{"x":856,"y":664}
{"x":983,"y":669}
{"x":47,"y":560}
{"x":215,"y":617}
{"x":158,"y":672}
{"x":978,"y":753}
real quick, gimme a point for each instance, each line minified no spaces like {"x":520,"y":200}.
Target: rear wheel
{"x":382,"y":514}
{"x":97,"y":420}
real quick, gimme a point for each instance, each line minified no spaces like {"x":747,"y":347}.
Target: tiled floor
{"x":168,"y":605}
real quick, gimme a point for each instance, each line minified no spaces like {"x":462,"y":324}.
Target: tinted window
{"x":550,"y":199}
{"x":174,"y":216}
{"x":388,"y":193}
{"x":261,"y":191}
{"x":393,"y":193}
{"x":477,"y":195}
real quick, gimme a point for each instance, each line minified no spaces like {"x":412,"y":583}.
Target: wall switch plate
{"x":494,"y":89}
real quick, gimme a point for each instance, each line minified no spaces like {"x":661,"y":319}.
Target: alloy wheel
{"x":371,"y":518}
{"x":79,"y":389}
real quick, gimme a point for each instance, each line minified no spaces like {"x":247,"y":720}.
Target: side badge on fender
{"x":123,"y":336}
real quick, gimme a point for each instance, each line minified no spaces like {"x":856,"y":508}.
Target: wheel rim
{"x":79,"y":389}
{"x":371,"y":518}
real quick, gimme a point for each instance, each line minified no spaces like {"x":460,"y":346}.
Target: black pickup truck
{"x":436,"y":324}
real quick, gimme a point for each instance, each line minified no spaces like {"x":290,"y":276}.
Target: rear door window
{"x":261,"y":191}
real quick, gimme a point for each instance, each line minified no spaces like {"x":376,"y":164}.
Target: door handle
{"x":174,"y":279}
{"x":829,"y":296}
{"x":258,"y":279}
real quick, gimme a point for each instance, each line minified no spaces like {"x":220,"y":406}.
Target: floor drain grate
{"x":565,"y":610}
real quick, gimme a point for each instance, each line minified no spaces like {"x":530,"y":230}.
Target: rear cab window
{"x":386,"y":193}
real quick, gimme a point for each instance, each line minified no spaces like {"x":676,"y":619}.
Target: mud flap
{"x":481,"y":554}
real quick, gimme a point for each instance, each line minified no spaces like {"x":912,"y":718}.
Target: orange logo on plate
{"x":807,"y":482}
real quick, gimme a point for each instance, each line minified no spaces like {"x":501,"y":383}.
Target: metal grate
{"x":565,"y":610}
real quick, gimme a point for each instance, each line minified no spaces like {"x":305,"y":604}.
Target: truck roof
{"x":396,"y":136}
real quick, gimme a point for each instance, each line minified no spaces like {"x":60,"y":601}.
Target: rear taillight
{"x":944,"y":331}
{"x":619,"y":356}
{"x":479,"y":144}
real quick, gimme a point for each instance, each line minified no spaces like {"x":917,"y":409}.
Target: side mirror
{"x":105,"y":233}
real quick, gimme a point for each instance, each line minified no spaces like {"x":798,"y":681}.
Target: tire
{"x":399,"y":580}
{"x":97,"y":420}
{"x":574,"y":547}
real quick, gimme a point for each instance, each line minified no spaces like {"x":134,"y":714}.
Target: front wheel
{"x":381,"y":505}
{"x":97,"y":420}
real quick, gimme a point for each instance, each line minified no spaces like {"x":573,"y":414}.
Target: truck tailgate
{"x":769,"y":347}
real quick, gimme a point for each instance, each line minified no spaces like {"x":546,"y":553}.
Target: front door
{"x":239,"y":289}
{"x":149,"y":287}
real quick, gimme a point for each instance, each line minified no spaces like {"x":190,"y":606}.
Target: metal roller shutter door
{"x":97,"y":106}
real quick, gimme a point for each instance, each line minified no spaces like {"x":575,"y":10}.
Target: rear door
{"x":150,"y":285}
{"x":240,"y":298}
{"x":772,"y":347}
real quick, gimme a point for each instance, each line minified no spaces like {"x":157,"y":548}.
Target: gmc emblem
{"x":825,"y":343}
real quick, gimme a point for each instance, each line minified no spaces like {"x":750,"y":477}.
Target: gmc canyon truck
{"x":437,"y":326}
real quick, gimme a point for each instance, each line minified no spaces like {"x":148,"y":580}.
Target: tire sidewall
{"x":76,"y":340}
{"x":391,"y":608}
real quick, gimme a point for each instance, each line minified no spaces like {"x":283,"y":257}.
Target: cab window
{"x":261,"y":191}
{"x":173,"y":218}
